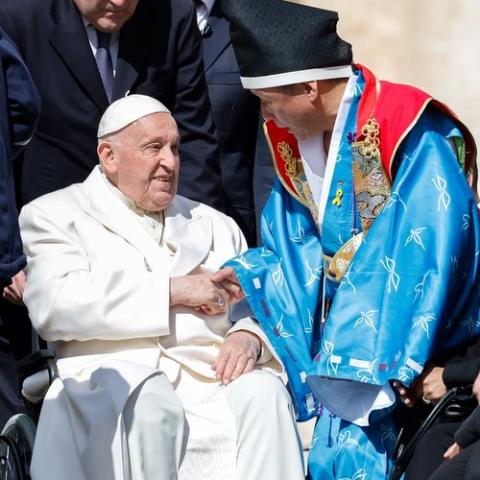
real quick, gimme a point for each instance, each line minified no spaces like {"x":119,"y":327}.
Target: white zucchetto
{"x":127,"y":110}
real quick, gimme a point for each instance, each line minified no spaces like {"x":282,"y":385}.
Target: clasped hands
{"x":209,"y":293}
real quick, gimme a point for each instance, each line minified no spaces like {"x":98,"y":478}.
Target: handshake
{"x":210,"y":293}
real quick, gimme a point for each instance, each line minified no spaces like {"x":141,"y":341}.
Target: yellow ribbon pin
{"x":337,"y":201}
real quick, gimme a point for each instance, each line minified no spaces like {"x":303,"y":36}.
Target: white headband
{"x":289,"y":78}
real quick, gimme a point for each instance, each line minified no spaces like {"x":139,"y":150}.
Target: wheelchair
{"x":451,"y":405}
{"x":18,"y":435}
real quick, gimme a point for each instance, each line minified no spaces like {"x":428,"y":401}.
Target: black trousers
{"x":455,"y":468}
{"x":428,"y":463}
{"x":429,"y":451}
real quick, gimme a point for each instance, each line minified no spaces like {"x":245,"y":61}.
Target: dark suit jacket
{"x":463,"y":367}
{"x":159,"y":55}
{"x":19,"y":112}
{"x":236,"y":117}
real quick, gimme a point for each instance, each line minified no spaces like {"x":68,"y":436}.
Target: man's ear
{"x":107,"y":158}
{"x":311,"y":90}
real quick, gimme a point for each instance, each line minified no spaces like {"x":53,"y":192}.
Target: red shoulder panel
{"x":285,"y":153}
{"x":397,"y":108}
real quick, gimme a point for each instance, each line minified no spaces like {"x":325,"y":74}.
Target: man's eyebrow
{"x":149,"y":141}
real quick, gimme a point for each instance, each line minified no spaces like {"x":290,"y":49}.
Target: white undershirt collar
{"x":318,"y":169}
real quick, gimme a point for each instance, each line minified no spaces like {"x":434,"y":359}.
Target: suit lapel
{"x":219,"y":40}
{"x":69,"y":39}
{"x":134,"y":46}
{"x":192,"y":238}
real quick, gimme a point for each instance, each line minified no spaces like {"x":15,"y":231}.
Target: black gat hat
{"x":279,"y":42}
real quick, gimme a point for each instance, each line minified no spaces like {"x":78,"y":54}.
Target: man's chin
{"x":111,"y":23}
{"x":160,"y":201}
{"x":295,"y":134}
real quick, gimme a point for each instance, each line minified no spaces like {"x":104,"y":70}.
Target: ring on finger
{"x":220,"y":301}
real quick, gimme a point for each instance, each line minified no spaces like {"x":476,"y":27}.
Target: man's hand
{"x":428,"y":386}
{"x":199,"y":292}
{"x":406,"y":395}
{"x":452,"y":451}
{"x":238,"y":355}
{"x":432,"y":385}
{"x":14,"y":292}
{"x":227,"y":278}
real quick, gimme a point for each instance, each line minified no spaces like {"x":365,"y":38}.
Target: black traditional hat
{"x":279,"y":42}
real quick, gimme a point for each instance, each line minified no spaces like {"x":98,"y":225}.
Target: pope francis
{"x":155,"y":381}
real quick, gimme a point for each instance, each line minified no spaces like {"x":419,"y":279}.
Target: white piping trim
{"x":309,"y":402}
{"x":289,"y":78}
{"x":335,"y":358}
{"x":354,"y":362}
{"x":414,"y":365}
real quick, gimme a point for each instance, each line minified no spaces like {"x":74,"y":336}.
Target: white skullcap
{"x":127,"y":110}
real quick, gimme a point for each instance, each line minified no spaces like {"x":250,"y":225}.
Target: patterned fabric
{"x":412,"y":290}
{"x":104,"y":61}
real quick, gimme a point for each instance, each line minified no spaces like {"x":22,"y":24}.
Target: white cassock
{"x":98,"y":292}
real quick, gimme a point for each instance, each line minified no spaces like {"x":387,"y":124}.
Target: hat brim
{"x":290,"y":78}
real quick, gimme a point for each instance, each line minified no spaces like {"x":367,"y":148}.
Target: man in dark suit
{"x":19,"y":111}
{"x":154,"y":49}
{"x":247,"y":169}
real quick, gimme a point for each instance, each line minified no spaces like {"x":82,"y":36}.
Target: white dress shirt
{"x":204,"y":7}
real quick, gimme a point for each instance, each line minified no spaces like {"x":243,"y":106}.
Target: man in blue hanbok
{"x":371,"y":233}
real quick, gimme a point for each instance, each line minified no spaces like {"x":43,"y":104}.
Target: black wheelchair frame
{"x":18,"y":435}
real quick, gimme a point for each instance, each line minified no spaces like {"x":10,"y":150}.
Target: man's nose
{"x":169,"y":159}
{"x":119,"y":3}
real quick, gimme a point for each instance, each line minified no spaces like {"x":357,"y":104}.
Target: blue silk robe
{"x":411,"y":291}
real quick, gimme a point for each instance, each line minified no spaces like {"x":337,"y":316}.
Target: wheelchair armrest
{"x":36,"y":361}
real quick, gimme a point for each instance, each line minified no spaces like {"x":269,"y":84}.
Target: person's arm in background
{"x":438,"y":377}
{"x":19,"y":110}
{"x":463,"y":368}
{"x":469,"y":430}
{"x":200,"y":175}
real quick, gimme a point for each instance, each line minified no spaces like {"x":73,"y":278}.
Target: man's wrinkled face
{"x":107,"y":15}
{"x":288,"y":107}
{"x":142,"y":161}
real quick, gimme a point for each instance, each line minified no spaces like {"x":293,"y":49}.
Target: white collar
{"x":319,"y":171}
{"x":209,"y":5}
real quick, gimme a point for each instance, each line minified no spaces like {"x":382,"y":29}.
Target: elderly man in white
{"x":154,"y":381}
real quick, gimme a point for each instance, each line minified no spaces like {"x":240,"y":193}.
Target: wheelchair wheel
{"x":16,"y":446}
